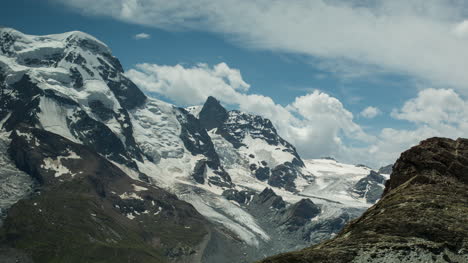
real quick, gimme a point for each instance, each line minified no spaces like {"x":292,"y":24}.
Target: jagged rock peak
{"x":386,"y":169}
{"x":300,"y":213}
{"x":213,"y":114}
{"x":375,"y":176}
{"x":370,"y":187}
{"x":434,"y":159}
{"x":305,"y":209}
{"x":267,"y":193}
{"x":270,"y":198}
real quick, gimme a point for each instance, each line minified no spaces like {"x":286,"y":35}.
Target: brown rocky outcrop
{"x":422,"y":216}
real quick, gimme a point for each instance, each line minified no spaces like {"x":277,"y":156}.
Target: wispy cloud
{"x":142,"y":36}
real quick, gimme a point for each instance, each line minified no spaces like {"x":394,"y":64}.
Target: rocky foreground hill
{"x":422,"y":216}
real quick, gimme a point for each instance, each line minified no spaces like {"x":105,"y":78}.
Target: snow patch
{"x":28,"y":136}
{"x":56,"y":166}
{"x":274,"y":155}
{"x":195,"y":110}
{"x":130,"y":216}
{"x":53,"y":118}
{"x":127,"y":195}
{"x":139,"y":188}
{"x":159,"y":211}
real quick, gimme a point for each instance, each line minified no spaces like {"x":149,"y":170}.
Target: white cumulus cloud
{"x":434,"y":112}
{"x":189,"y":85}
{"x":370,"y":112}
{"x":434,"y":107}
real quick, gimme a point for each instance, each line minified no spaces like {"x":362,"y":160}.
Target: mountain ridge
{"x":69,"y":85}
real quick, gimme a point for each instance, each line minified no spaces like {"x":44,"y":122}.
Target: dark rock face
{"x":20,"y":99}
{"x":370,"y":187}
{"x":268,"y":198}
{"x":98,"y":108}
{"x":6,"y":41}
{"x":75,"y":75}
{"x":199,"y":172}
{"x":319,"y":231}
{"x":283,"y":176}
{"x":128,"y":94}
{"x":300,"y":213}
{"x":420,"y":218}
{"x":262,"y":173}
{"x":212,"y":114}
{"x":110,"y":217}
{"x":436,"y":158}
{"x":100,"y":138}
{"x":197,"y":141}
{"x":195,"y":137}
{"x":123,"y":118}
{"x":242,"y":197}
{"x":221,"y":177}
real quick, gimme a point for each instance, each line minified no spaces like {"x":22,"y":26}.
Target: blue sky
{"x":385,"y":56}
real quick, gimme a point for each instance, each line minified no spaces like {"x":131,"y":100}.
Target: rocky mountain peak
{"x":267,"y":193}
{"x":213,"y":114}
{"x":435,"y":159}
{"x":376,"y":176}
{"x":270,"y":199}
{"x":302,"y":211}
{"x":370,"y":187}
{"x":386,"y":169}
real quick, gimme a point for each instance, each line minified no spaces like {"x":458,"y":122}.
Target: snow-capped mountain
{"x":251,"y":185}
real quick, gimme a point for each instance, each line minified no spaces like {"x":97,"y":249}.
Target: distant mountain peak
{"x":213,"y":114}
